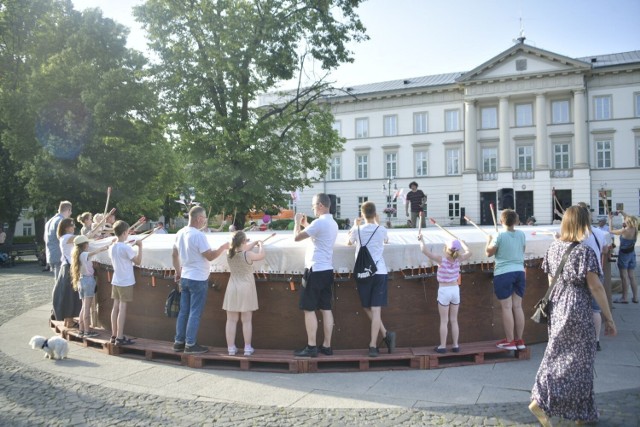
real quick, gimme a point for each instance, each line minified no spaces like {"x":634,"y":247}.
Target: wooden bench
{"x":16,"y":250}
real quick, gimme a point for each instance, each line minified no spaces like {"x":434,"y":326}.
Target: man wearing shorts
{"x":316,"y":293}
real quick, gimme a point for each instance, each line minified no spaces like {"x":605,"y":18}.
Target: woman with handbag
{"x":564,"y":382}
{"x":627,"y":257}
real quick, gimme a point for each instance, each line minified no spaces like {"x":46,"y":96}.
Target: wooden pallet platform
{"x":476,"y":353}
{"x":284,"y":361}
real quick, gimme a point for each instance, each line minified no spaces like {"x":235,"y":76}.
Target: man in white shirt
{"x":191,"y":256}
{"x":316,"y":293}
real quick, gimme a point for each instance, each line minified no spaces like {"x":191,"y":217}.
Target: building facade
{"x":528,"y":129}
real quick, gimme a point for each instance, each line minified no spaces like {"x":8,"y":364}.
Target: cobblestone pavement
{"x":29,"y":397}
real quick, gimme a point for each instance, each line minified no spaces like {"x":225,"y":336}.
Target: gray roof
{"x":413,"y":83}
{"x":613,"y":59}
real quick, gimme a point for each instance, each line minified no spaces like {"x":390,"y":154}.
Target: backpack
{"x":172,"y":305}
{"x":365,"y":266}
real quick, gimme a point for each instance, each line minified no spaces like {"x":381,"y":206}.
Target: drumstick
{"x":151,"y":230}
{"x":475,"y":225}
{"x":106,"y":206}
{"x":420,"y":222}
{"x":433,"y":221}
{"x":146,"y":235}
{"x":138,"y":223}
{"x":551,"y":233}
{"x":493,"y":215}
{"x":268,"y":238}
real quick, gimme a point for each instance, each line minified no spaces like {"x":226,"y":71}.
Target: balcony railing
{"x":523,"y":174}
{"x":488,"y":176}
{"x":561,"y":173}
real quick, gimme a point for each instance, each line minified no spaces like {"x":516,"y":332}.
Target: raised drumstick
{"x":106,"y":206}
{"x":273,"y":234}
{"x":138,"y":223}
{"x":493,"y":215}
{"x":433,"y":221}
{"x":474,"y":224}
{"x":420,"y":222}
{"x":551,"y":233}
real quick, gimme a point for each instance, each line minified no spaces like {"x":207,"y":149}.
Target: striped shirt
{"x":448,"y":270}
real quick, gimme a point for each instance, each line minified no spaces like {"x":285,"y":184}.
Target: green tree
{"x":215,"y":59}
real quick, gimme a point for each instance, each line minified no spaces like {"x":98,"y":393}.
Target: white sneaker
{"x":232,"y":350}
{"x":248,"y":351}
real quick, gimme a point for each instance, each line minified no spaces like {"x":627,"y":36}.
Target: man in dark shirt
{"x":417,"y":201}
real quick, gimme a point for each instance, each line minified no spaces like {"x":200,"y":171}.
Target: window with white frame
{"x":362,"y":166}
{"x":636,"y":98}
{"x":604,"y":196}
{"x":489,"y":118}
{"x":337,"y":126}
{"x":524,"y":115}
{"x":561,"y":156}
{"x":390,"y":125}
{"x":454,"y":205}
{"x":338,"y":207}
{"x":27,"y":229}
{"x":638,"y":151}
{"x":362,"y":128}
{"x":560,"y":111}
{"x":391,"y":164}
{"x":451,"y":120}
{"x":602,"y":107}
{"x":603,"y":154}
{"x":335,"y":168}
{"x":453,"y":161}
{"x":361,"y":201}
{"x":525,"y":158}
{"x":422,"y":163}
{"x":489,"y":159}
{"x":420,"y":123}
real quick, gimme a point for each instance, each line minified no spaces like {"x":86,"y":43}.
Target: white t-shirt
{"x":122,"y":255}
{"x":375,"y":245}
{"x":191,"y":244}
{"x":323,"y":232}
{"x":65,"y":249}
{"x":590,"y":241}
{"x":86,"y":266}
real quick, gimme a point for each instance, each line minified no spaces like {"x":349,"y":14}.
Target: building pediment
{"x":523,"y":60}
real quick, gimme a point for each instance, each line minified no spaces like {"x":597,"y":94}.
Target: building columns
{"x":470,"y":142}
{"x":581,"y":147}
{"x":504,"y":156}
{"x":541,"y":152}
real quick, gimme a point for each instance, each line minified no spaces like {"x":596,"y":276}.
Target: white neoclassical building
{"x":523,"y":127}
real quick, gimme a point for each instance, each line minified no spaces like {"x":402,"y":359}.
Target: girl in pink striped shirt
{"x":455,"y":252}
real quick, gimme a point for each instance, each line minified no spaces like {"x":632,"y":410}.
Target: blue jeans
{"x":192,"y":300}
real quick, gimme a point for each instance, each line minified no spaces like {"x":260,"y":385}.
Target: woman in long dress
{"x":241,"y":297}
{"x":564,"y":382}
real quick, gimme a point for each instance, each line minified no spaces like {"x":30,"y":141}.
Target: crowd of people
{"x":579,"y":305}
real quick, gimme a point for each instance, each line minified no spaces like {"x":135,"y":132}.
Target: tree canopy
{"x":215,"y":59}
{"x":77,"y":114}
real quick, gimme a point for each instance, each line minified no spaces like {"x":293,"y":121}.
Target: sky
{"x":412,"y":38}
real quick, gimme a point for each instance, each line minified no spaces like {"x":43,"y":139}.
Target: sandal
{"x":620,"y":301}
{"x":124,"y":341}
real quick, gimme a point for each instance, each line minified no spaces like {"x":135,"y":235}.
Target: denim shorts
{"x":87,"y":287}
{"x":627,"y":261}
{"x":374,"y":293}
{"x":504,"y":285}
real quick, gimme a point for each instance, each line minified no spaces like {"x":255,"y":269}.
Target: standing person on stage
{"x":508,"y":278}
{"x":455,"y":252}
{"x":316,"y":294}
{"x":191,"y":256}
{"x":123,"y":257}
{"x":66,"y":300}
{"x":564,"y":383}
{"x":52,"y":243}
{"x":241,"y":297}
{"x":373,"y":295}
{"x":417,"y":201}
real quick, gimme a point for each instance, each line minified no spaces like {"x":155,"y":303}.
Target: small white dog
{"x":54,"y":348}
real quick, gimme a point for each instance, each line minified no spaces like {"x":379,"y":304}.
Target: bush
{"x":280,"y":224}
